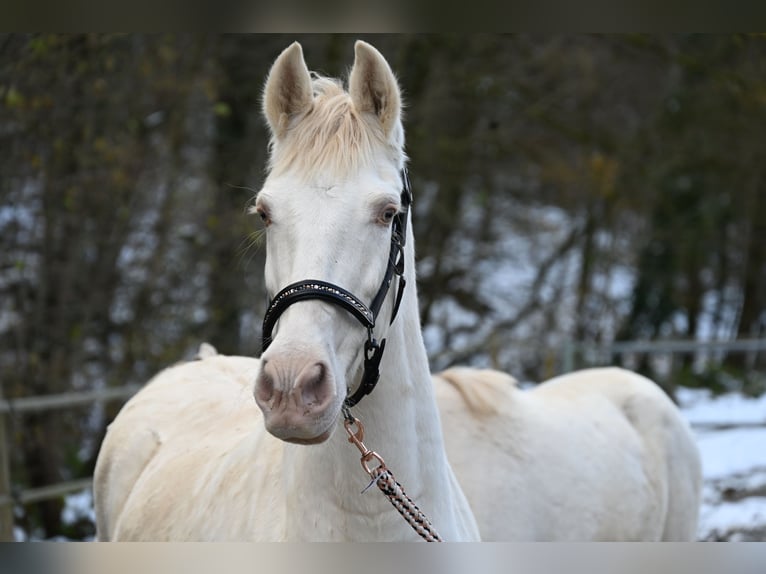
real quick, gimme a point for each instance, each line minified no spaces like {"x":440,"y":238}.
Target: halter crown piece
{"x":316,"y":289}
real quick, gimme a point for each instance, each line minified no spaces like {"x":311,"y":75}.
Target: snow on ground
{"x":701,"y":408}
{"x":731,"y":435}
{"x":79,"y":506}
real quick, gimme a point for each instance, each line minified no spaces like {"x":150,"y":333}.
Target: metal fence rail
{"x":30,"y":495}
{"x":66,"y":400}
{"x":571,"y":349}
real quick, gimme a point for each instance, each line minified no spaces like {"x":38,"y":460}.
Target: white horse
{"x":602,"y":455}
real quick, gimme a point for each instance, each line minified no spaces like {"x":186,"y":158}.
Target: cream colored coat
{"x":595,"y":455}
{"x":599,"y":454}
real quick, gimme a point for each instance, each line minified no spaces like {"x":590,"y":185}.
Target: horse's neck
{"x":401,"y":423}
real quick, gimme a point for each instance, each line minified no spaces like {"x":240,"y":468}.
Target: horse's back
{"x":670,"y":455}
{"x":154,"y":479}
{"x":599,"y":447}
{"x":669,"y":445}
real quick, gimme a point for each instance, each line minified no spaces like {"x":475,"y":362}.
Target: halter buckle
{"x":371,"y":347}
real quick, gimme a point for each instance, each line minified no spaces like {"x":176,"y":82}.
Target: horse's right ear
{"x":288,"y":89}
{"x":373,"y":87}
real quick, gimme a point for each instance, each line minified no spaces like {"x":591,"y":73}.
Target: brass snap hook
{"x":356,"y":437}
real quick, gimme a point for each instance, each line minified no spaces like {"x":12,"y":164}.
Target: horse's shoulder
{"x":484,"y":391}
{"x":127,"y":450}
{"x":169,"y":429}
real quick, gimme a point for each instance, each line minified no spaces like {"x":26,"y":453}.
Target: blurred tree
{"x":701,"y":267}
{"x":81,"y":118}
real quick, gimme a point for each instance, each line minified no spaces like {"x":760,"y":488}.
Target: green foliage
{"x":721,"y":379}
{"x":718,"y":380}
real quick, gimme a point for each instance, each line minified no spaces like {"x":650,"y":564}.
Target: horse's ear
{"x":288,"y":89}
{"x":373,"y":87}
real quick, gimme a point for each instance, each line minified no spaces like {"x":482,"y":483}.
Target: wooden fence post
{"x":568,"y":356}
{"x":6,"y":502}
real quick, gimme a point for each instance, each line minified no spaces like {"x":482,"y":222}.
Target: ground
{"x":731,"y":434}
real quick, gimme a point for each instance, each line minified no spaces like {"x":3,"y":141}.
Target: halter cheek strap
{"x":324,"y":291}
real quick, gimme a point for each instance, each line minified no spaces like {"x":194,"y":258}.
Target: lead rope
{"x":386,"y":482}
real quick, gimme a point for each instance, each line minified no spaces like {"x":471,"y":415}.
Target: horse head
{"x":335,"y":216}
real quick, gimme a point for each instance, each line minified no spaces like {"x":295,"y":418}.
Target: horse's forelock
{"x":332,"y":135}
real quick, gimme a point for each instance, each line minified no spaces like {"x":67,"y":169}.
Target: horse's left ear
{"x":288,"y":90}
{"x":373,"y":87}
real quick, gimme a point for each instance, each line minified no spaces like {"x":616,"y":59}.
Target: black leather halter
{"x":322,"y":290}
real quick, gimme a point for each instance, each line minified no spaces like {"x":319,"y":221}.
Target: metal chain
{"x":385,"y":481}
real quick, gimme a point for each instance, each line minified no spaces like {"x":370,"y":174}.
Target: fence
{"x":573,"y":355}
{"x":41,"y":404}
{"x":577,"y":355}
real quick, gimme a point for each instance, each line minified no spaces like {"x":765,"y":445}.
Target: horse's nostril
{"x":310,"y":389}
{"x":312,"y":383}
{"x":264,"y":385}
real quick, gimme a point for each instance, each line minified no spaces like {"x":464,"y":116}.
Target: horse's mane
{"x":331,"y":134}
{"x":484,"y":391}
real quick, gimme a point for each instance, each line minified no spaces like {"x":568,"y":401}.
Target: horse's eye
{"x":263,"y":214}
{"x":388,"y":214}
